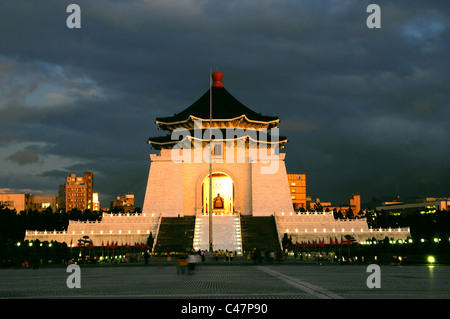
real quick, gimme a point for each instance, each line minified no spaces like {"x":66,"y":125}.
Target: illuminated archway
{"x":222,"y":194}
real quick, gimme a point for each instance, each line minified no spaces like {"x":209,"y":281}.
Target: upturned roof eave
{"x":195,"y":118}
{"x":282,"y":139}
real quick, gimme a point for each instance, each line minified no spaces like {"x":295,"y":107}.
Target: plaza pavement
{"x":228,"y":281}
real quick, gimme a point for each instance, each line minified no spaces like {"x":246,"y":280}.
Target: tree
{"x":349,"y":214}
{"x":286,"y":242}
{"x":335,"y":213}
{"x":338,"y":214}
{"x":318,"y":207}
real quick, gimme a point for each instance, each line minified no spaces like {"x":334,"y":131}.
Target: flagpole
{"x":210,"y":163}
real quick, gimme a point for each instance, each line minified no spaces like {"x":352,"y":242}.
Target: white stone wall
{"x":318,"y":226}
{"x":270,"y":192}
{"x":176,"y":188}
{"x":165,"y":188}
{"x":123,"y":228}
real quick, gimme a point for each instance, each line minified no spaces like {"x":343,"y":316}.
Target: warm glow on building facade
{"x":95,"y":202}
{"x":124,"y":202}
{"x":77,"y":192}
{"x":297,"y":188}
{"x":248,"y":171}
{"x":25,"y":202}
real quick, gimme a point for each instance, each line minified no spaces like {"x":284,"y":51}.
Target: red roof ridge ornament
{"x":217,"y":79}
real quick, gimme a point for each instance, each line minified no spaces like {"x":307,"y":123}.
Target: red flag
{"x":345,"y":241}
{"x":103,"y":245}
{"x":107,"y":244}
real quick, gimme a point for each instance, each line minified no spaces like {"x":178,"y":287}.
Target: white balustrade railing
{"x":117,"y":227}
{"x":344,"y":230}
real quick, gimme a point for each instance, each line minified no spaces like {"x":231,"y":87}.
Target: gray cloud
{"x":56,"y":173}
{"x":25,"y":157}
{"x":364,"y":110}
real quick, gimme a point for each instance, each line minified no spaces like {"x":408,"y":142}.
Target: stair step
{"x":259,"y":233}
{"x":226,"y":233}
{"x":176,"y":234}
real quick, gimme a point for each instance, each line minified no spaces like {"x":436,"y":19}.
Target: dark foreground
{"x":221,"y":281}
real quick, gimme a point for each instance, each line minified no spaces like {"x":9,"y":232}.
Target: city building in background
{"x":125,"y":202}
{"x":43,"y":202}
{"x":77,"y":192}
{"x":427,"y":205}
{"x":24,"y":202}
{"x":95,"y":203}
{"x":354,"y":205}
{"x":297,"y":188}
{"x":19,"y":202}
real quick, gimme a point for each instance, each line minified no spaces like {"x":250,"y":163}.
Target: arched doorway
{"x":222,"y":194}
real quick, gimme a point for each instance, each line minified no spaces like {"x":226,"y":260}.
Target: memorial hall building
{"x":248,"y":171}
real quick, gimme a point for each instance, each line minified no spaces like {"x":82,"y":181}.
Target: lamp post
{"x":210,"y":165}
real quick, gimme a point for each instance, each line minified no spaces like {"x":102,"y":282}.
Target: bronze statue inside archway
{"x":223,"y":194}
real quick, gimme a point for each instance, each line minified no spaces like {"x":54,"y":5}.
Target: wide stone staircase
{"x":226,"y":233}
{"x":260,"y":233}
{"x":176,"y":234}
{"x":244,"y":234}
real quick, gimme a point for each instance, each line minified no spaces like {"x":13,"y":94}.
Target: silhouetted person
{"x":35,"y":261}
{"x":191,"y":263}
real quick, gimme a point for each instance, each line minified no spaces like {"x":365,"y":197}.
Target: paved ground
{"x":225,"y":281}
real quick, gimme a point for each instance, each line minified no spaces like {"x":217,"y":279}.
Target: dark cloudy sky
{"x":365,"y":110}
